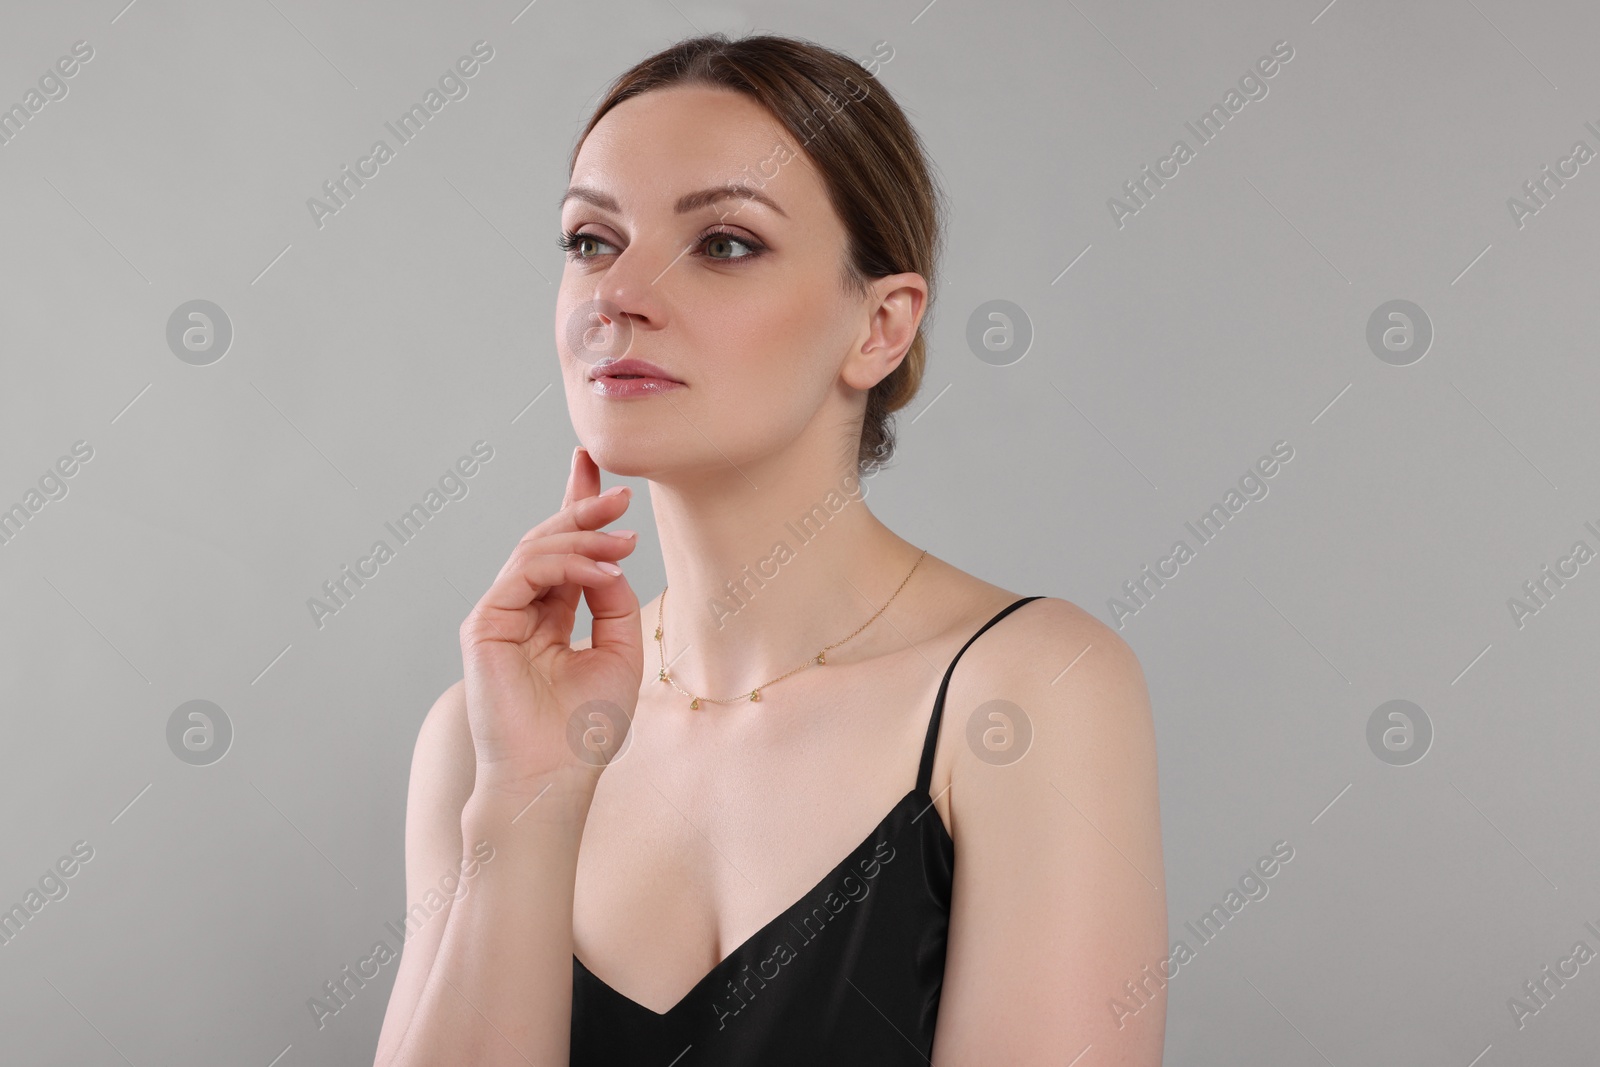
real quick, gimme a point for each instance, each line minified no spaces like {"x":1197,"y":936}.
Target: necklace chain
{"x":820,"y":659}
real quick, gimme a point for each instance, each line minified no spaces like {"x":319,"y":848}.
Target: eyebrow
{"x":686,"y":203}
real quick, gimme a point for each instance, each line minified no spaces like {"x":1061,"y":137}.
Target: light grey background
{"x":1229,"y":313}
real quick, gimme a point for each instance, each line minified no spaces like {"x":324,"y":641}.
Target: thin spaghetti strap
{"x":930,"y":743}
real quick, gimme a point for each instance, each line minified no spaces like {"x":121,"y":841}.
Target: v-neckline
{"x":770,"y":923}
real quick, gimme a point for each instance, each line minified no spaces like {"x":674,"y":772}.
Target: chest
{"x":711,"y":825}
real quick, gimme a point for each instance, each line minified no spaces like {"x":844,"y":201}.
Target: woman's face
{"x":737,"y":299}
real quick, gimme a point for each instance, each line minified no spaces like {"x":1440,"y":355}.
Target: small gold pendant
{"x":755,"y":694}
{"x":658,"y":633}
{"x":695,"y":703}
{"x":662,"y":676}
{"x":822,"y":657}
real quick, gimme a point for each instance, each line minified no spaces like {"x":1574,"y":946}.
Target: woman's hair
{"x":872,"y":164}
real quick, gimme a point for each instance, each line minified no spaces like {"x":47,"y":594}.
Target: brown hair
{"x":871,"y":160}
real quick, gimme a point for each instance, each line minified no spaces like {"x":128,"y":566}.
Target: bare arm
{"x":441,"y":781}
{"x":449,"y":833}
{"x":500,"y":987}
{"x":1058,"y":918}
{"x":500,"y":792}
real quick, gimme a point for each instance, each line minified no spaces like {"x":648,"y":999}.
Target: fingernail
{"x":575,"y":457}
{"x":614,"y":490}
{"x":624,"y":534}
{"x":610,"y":568}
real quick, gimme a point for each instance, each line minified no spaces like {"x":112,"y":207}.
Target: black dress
{"x":849,"y":974}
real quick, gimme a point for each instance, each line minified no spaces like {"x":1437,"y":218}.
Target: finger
{"x":561,"y":598}
{"x":569,"y":493}
{"x":586,"y":516}
{"x":614,"y":608}
{"x":501,"y":614}
{"x":583,"y":480}
{"x":595,"y":544}
{"x":590,"y":513}
{"x":588,"y":475}
{"x":565,"y":595}
{"x":581,"y":509}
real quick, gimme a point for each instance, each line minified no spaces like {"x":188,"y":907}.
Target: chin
{"x":632,"y":467}
{"x":626,"y":456}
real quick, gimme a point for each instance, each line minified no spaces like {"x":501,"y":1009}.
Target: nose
{"x":629,"y":296}
{"x":631,"y":291}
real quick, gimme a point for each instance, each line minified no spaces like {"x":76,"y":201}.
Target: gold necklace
{"x":755,"y":694}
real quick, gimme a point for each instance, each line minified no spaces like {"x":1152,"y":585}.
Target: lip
{"x":636,"y":369}
{"x":622,"y":388}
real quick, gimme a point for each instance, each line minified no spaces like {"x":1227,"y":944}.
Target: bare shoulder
{"x":1055,"y":812}
{"x":1047,"y":644}
{"x":1030,"y":639}
{"x":1052,"y":683}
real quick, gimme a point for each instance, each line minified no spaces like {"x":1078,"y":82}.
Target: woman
{"x":754,"y":223}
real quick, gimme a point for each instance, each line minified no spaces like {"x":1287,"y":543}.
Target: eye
{"x":569,"y":241}
{"x":723,"y":237}
{"x":572,"y":243}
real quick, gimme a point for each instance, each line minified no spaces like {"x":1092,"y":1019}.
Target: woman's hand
{"x":525,"y":684}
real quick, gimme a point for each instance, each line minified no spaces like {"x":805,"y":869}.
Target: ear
{"x":894,"y":306}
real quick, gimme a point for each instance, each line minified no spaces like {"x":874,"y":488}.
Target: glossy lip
{"x":636,"y":367}
{"x":630,"y":387}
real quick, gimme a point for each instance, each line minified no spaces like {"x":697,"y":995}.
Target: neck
{"x":767,"y":565}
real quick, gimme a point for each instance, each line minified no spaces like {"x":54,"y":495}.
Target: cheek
{"x":572,"y":319}
{"x":764,"y":371}
{"x":566,"y":339}
{"x":559,"y":325}
{"x":579,"y":339}
{"x":781,"y":338}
